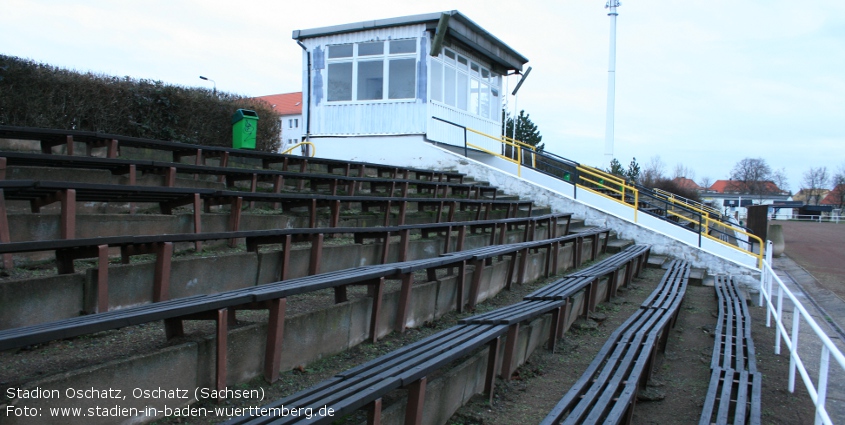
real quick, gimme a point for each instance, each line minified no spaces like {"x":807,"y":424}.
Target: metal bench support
{"x":275,"y":335}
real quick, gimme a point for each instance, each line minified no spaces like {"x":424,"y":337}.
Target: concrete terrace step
{"x":697,"y":276}
{"x":657,"y":261}
{"x":617,"y":245}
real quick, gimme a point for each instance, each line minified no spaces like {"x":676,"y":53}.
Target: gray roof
{"x":461,"y":28}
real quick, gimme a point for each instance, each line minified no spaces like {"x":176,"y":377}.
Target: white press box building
{"x":374,"y":90}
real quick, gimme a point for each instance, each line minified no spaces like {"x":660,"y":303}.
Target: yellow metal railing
{"x":704,"y":231}
{"x":591,"y":178}
{"x":709,"y":221}
{"x":507,"y":142}
{"x":313,"y":148}
{"x":688,"y":202}
{"x":609,"y":182}
{"x":526,"y":146}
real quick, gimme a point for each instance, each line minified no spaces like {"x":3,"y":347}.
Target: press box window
{"x":378,"y":68}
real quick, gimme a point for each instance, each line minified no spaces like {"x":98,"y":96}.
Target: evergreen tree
{"x":526,"y":130}
{"x":616,"y":168}
{"x":633,"y":172}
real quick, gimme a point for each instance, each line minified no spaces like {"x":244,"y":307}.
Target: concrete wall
{"x":308,"y":337}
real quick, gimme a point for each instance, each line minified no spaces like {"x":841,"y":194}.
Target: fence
{"x":815,"y":218}
{"x":818,"y":390}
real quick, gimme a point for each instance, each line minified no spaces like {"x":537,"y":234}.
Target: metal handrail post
{"x":466,"y":150}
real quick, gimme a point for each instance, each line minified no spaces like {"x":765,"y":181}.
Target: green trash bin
{"x":244,"y":129}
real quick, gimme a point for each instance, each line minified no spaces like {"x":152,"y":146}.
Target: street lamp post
{"x":214,"y":91}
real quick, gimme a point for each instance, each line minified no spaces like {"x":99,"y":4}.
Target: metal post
{"x":793,"y":350}
{"x":611,"y":81}
{"x":821,"y":398}
{"x":466,"y":154}
{"x":700,"y":229}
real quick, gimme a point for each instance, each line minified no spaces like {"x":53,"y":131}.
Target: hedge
{"x":39,"y":95}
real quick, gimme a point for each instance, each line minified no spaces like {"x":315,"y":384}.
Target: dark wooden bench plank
{"x":607,"y":389}
{"x":732,"y":397}
{"x":354,"y":388}
{"x":733,"y":346}
{"x":54,"y":137}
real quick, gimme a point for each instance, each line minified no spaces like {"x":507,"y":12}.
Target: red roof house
{"x":685,"y":183}
{"x":734,"y":186}
{"x":835,"y":197}
{"x":285,"y":103}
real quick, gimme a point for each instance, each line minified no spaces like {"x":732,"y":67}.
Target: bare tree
{"x":652,"y":172}
{"x":705,"y":182}
{"x":838,"y":182}
{"x":780,"y":180}
{"x":815,"y":180}
{"x":683,"y":171}
{"x":752,"y":176}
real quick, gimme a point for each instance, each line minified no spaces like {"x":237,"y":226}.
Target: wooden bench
{"x":633,"y":259}
{"x":733,"y":346}
{"x":606,"y":392}
{"x":43,"y":193}
{"x":733,"y":395}
{"x":365,"y":385}
{"x":220,"y":308}
{"x":232,"y":175}
{"x":518,"y":260}
{"x":55,"y":137}
{"x":162,"y":246}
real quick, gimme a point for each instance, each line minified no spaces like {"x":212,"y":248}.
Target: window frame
{"x":385,"y":57}
{"x":465,"y":67}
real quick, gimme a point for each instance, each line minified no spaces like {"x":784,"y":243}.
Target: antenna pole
{"x":611,"y":82}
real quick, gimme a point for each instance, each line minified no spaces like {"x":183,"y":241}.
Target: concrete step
{"x":657,"y":261}
{"x":697,"y":276}
{"x":616,"y":245}
{"x":538,"y":211}
{"x":575,"y":223}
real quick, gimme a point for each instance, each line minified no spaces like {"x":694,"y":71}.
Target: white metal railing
{"x":818,"y":391}
{"x":814,"y":218}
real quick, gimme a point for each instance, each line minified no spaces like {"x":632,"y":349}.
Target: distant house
{"x":382,"y":84}
{"x":733,"y":197}
{"x":835,"y":197}
{"x":810,"y":196}
{"x":289,"y":106}
{"x":687,"y":184}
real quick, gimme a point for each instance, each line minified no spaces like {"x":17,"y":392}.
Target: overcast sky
{"x":702,"y":83}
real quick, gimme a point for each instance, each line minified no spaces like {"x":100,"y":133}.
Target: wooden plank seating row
{"x":365,"y":385}
{"x":606,"y":392}
{"x":519,"y":258}
{"x":220,"y":308}
{"x":634,"y":251}
{"x":55,"y":137}
{"x":67,"y":194}
{"x":633,"y":259}
{"x":162,"y":246}
{"x":556,"y":298}
{"x":232,"y":175}
{"x":733,"y":347}
{"x":733,"y":395}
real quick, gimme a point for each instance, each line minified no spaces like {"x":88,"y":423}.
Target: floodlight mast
{"x":611,"y":82}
